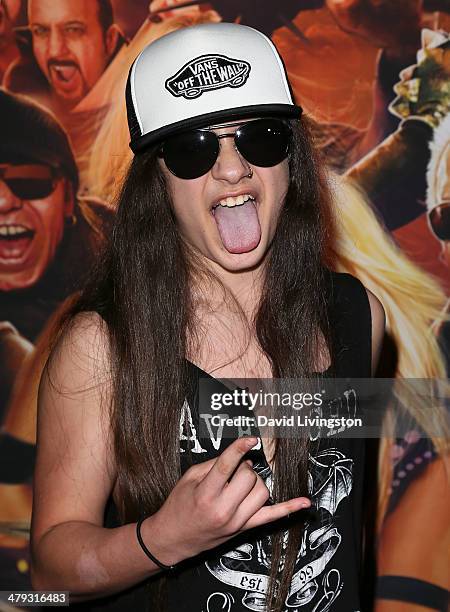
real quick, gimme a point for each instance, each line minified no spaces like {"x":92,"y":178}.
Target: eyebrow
{"x":64,"y":23}
{"x":74,"y":22}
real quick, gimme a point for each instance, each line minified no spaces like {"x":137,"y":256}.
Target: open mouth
{"x":14,"y":241}
{"x":231,"y":202}
{"x":63,"y":73}
{"x":238,"y":223}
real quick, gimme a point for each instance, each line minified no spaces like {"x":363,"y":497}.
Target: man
{"x":48,"y":241}
{"x":72,"y":43}
{"x":41,"y":224}
{"x":65,"y":49}
{"x":48,"y":237}
{"x":36,"y":201}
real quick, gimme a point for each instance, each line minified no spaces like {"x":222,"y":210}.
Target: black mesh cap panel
{"x":133,"y":124}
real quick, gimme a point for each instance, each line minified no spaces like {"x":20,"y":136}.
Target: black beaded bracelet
{"x":146,"y":550}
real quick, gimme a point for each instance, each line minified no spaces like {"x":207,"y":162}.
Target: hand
{"x":423,"y":92}
{"x":384,"y":23}
{"x":213,"y":502}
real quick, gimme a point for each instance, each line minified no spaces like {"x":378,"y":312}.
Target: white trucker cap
{"x":203,"y":74}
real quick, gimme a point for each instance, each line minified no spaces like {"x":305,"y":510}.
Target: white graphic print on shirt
{"x":247,"y":567}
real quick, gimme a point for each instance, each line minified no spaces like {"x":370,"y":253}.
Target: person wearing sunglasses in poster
{"x":413,"y":572}
{"x":216,"y":266}
{"x":48,"y":240}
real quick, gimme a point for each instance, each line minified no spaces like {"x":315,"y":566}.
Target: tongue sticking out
{"x":238,"y":227}
{"x":65,"y":73}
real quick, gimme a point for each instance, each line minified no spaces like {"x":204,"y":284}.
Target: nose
{"x":230,"y":166}
{"x":8,"y":201}
{"x":56,"y":43}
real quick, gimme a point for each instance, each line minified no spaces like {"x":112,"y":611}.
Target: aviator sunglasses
{"x":29,"y":181}
{"x":439,"y":220}
{"x":262,"y":142}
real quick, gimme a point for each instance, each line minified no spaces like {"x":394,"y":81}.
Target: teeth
{"x":12,"y":230}
{"x":237,"y":201}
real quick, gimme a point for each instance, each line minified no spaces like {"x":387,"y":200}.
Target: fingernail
{"x":249,"y":462}
{"x":305,"y":504}
{"x":251,"y":442}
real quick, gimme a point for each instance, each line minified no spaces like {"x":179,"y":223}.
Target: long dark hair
{"x":141,"y":288}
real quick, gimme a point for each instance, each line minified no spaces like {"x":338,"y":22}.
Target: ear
{"x":111,"y":39}
{"x":68,"y":197}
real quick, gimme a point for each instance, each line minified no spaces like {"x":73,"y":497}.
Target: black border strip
{"x":413,"y":590}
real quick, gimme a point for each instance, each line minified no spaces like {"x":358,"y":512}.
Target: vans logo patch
{"x":205,"y":73}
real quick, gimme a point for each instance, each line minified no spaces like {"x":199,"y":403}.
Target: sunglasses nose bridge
{"x":230,"y":163}
{"x":8,"y":199}
{"x":229,"y":135}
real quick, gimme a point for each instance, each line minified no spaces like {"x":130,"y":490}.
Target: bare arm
{"x":75,"y":474}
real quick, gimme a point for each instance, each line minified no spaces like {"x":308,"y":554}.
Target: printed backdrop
{"x":373,"y":76}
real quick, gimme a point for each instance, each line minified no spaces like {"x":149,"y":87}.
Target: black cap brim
{"x":241,"y":112}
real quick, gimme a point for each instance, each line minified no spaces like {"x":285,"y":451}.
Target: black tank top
{"x":233,"y":577}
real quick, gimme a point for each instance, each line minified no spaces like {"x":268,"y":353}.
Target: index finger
{"x":226,"y":463}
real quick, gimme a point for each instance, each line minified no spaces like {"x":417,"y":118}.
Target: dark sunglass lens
{"x":440,"y":221}
{"x":263,"y":142}
{"x":30,"y":189}
{"x":191,"y":154}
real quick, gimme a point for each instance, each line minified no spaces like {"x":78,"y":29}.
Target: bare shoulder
{"x":378,"y":326}
{"x":84,"y":346}
{"x":74,"y":470}
{"x":78,"y":366}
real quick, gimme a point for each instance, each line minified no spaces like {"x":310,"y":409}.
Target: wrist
{"x":159,"y":544}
